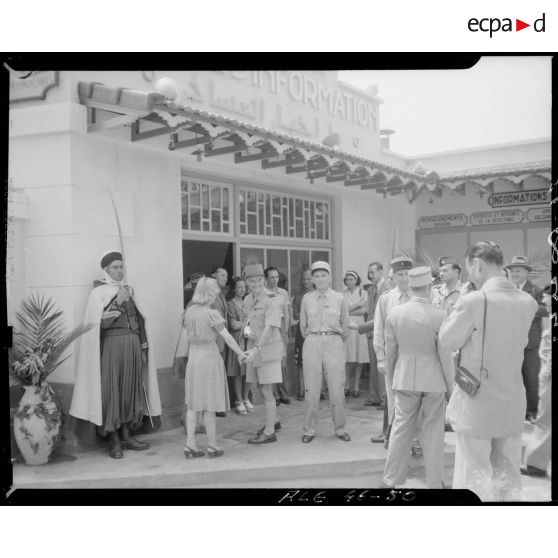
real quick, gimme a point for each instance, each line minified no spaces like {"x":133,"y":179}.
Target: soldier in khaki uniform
{"x":420,"y":376}
{"x":445,"y":295}
{"x":263,"y":331}
{"x":324,"y":323}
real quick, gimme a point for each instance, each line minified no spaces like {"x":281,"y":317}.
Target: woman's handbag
{"x":180,"y":355}
{"x":469,"y":383}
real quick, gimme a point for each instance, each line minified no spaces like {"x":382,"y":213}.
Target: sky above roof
{"x":501,"y":99}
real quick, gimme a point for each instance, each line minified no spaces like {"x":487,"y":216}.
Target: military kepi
{"x":320,"y":266}
{"x":420,"y":277}
{"x":253,"y":270}
{"x":398,"y":264}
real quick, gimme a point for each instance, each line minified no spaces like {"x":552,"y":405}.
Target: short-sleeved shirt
{"x":202,"y":324}
{"x":261,"y":311}
{"x":444,"y":299}
{"x":285,"y":303}
{"x":324,"y":312}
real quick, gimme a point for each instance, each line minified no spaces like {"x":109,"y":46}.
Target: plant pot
{"x":37,"y":424}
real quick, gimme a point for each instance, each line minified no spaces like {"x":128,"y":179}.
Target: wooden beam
{"x":239,"y":158}
{"x":336,"y":177}
{"x":116,"y":122}
{"x":291,"y":169}
{"x":221,"y":150}
{"x":267,"y":164}
{"x":415,"y":194}
{"x":460,"y":189}
{"x":373,"y":185}
{"x":316,"y":173}
{"x":190,"y":142}
{"x":137,"y":135}
{"x":357,"y":181}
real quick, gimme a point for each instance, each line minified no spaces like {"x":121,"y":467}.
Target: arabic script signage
{"x":442,"y":221}
{"x":529,"y":197}
{"x":497,"y":217}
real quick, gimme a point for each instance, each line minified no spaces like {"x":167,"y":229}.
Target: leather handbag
{"x":468,"y":382}
{"x":180,"y":359}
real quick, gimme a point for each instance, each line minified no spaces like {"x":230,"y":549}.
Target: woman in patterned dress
{"x":206,"y":383}
{"x":236,"y":318}
{"x":356,"y":346}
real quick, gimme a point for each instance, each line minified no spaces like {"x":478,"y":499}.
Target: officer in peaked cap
{"x":398,"y":295}
{"x":420,"y":376}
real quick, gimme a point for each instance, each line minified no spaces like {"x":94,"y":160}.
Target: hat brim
{"x":526,"y":266}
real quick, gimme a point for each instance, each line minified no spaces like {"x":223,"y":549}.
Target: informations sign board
{"x":529,"y":197}
{"x":497,"y":217}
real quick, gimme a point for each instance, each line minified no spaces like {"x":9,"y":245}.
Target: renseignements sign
{"x":531,"y":197}
{"x":442,"y":221}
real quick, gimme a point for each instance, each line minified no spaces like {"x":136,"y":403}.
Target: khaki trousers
{"x":488,"y":466}
{"x":409,"y":405}
{"x":327,"y":353}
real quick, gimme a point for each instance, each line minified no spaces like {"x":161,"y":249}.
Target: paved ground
{"x":325,"y":463}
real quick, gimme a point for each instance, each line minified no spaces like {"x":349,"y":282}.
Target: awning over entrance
{"x":150,"y":114}
{"x":485,"y":177}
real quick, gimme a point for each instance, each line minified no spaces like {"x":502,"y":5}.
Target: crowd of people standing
{"x":425,"y":338}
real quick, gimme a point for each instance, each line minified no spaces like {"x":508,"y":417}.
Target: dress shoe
{"x":379,"y":439}
{"x":214,"y":452}
{"x":300,"y":397}
{"x":262,"y":438}
{"x":278,"y":402}
{"x":531,"y":419}
{"x":115,"y":449}
{"x":276,"y":426}
{"x":285,"y":400}
{"x":221,"y":414}
{"x":448,"y":428}
{"x":129,"y":442}
{"x":307,"y":438}
{"x":345,"y":437}
{"x":370,"y":403}
{"x":189,"y":453}
{"x":532,"y":471}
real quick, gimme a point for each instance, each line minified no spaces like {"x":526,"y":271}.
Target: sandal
{"x":248,"y":405}
{"x":240,"y":408}
{"x":214,"y":452}
{"x":189,"y":453}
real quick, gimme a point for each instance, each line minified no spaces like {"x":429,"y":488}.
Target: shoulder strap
{"x":483,"y":334}
{"x":482,"y":369}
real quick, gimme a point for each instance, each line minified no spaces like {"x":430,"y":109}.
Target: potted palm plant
{"x":39,"y":340}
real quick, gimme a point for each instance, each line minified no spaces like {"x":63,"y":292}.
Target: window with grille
{"x":283,"y":216}
{"x":206,"y":206}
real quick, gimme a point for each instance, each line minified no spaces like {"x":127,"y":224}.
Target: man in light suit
{"x":420,"y":376}
{"x":538,"y":452}
{"x":489,"y":424}
{"x":519,"y":269}
{"x":378,"y":286}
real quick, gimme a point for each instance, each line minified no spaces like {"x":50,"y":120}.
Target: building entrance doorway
{"x":204,"y":256}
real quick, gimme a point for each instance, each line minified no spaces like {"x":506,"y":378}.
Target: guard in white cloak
{"x":116,"y":380}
